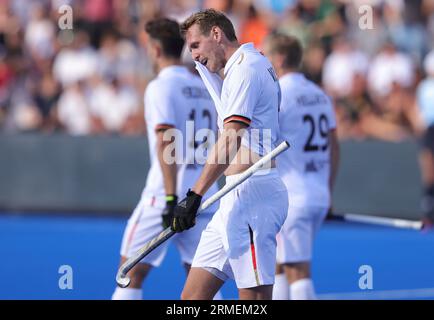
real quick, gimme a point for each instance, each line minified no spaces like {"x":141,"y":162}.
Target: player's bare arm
{"x":169,"y":172}
{"x":221,"y":156}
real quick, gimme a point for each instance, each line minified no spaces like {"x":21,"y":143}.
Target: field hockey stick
{"x":376,"y":220}
{"x":123,"y":280}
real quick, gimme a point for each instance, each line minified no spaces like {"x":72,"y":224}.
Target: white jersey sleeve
{"x":242,"y":96}
{"x":159,"y":104}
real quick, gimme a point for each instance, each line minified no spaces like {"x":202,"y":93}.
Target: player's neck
{"x":164,"y":63}
{"x":230,"y":49}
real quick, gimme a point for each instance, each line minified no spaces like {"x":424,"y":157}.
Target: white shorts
{"x":295,"y":240}
{"x":146,"y":222}
{"x":240,"y":240}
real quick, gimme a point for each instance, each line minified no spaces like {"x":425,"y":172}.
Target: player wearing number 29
{"x":174,"y":97}
{"x":307,"y":122}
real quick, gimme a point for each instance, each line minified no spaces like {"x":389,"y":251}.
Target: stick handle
{"x":122,"y":278}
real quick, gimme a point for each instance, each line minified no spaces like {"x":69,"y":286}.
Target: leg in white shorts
{"x":240,"y":240}
{"x":145,"y":224}
{"x":295,"y":240}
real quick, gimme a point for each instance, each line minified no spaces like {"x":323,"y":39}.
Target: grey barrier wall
{"x":379,"y":178}
{"x":106,"y":175}
{"x":64,"y":173}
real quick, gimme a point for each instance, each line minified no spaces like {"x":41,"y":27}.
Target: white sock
{"x":218,"y":296}
{"x":302,"y":290}
{"x":127,"y":294}
{"x":281,"y":287}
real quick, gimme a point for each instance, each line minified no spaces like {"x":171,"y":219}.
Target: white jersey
{"x":172,"y":100}
{"x":305,"y":119}
{"x":250,"y":94}
{"x":240,"y":240}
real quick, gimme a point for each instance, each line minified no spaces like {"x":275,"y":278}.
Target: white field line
{"x":380,"y":295}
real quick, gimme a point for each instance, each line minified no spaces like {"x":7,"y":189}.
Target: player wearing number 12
{"x":307,"y":122}
{"x":172,"y":99}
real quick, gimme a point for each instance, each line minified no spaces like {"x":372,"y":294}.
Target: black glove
{"x":171,"y":201}
{"x":185,"y":212}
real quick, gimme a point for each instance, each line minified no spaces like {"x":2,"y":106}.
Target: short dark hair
{"x":207,"y":19}
{"x":288,"y":46}
{"x":167,"y":32}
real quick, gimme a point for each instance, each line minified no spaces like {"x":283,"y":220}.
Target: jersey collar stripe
{"x":163,"y":126}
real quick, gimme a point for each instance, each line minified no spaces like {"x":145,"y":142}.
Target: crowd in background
{"x":91,"y":79}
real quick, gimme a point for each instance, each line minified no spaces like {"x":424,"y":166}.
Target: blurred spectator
{"x":235,"y":10}
{"x":6,"y":77}
{"x":98,"y":16}
{"x":23,"y":115}
{"x":117,"y":58}
{"x":275,"y":7}
{"x":391,"y":79}
{"x":428,"y":13}
{"x":390,"y":69}
{"x":9,"y":23}
{"x":330,"y":22}
{"x":112,"y":105}
{"x":21,"y":9}
{"x":73,"y":110}
{"x":425,"y":92}
{"x":425,"y":102}
{"x":407,"y":22}
{"x":39,"y":34}
{"x":179,"y":10}
{"x":370,"y":40}
{"x":293,"y":24}
{"x":313,"y":21}
{"x":254,"y":28}
{"x":46,"y":96}
{"x":313,"y":62}
{"x":354,"y":111}
{"x":76,"y":62}
{"x":107,"y":56}
{"x":341,"y":67}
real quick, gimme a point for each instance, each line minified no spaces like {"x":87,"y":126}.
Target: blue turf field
{"x":34,"y":247}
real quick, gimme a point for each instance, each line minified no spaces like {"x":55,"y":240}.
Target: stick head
{"x":122,"y":280}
